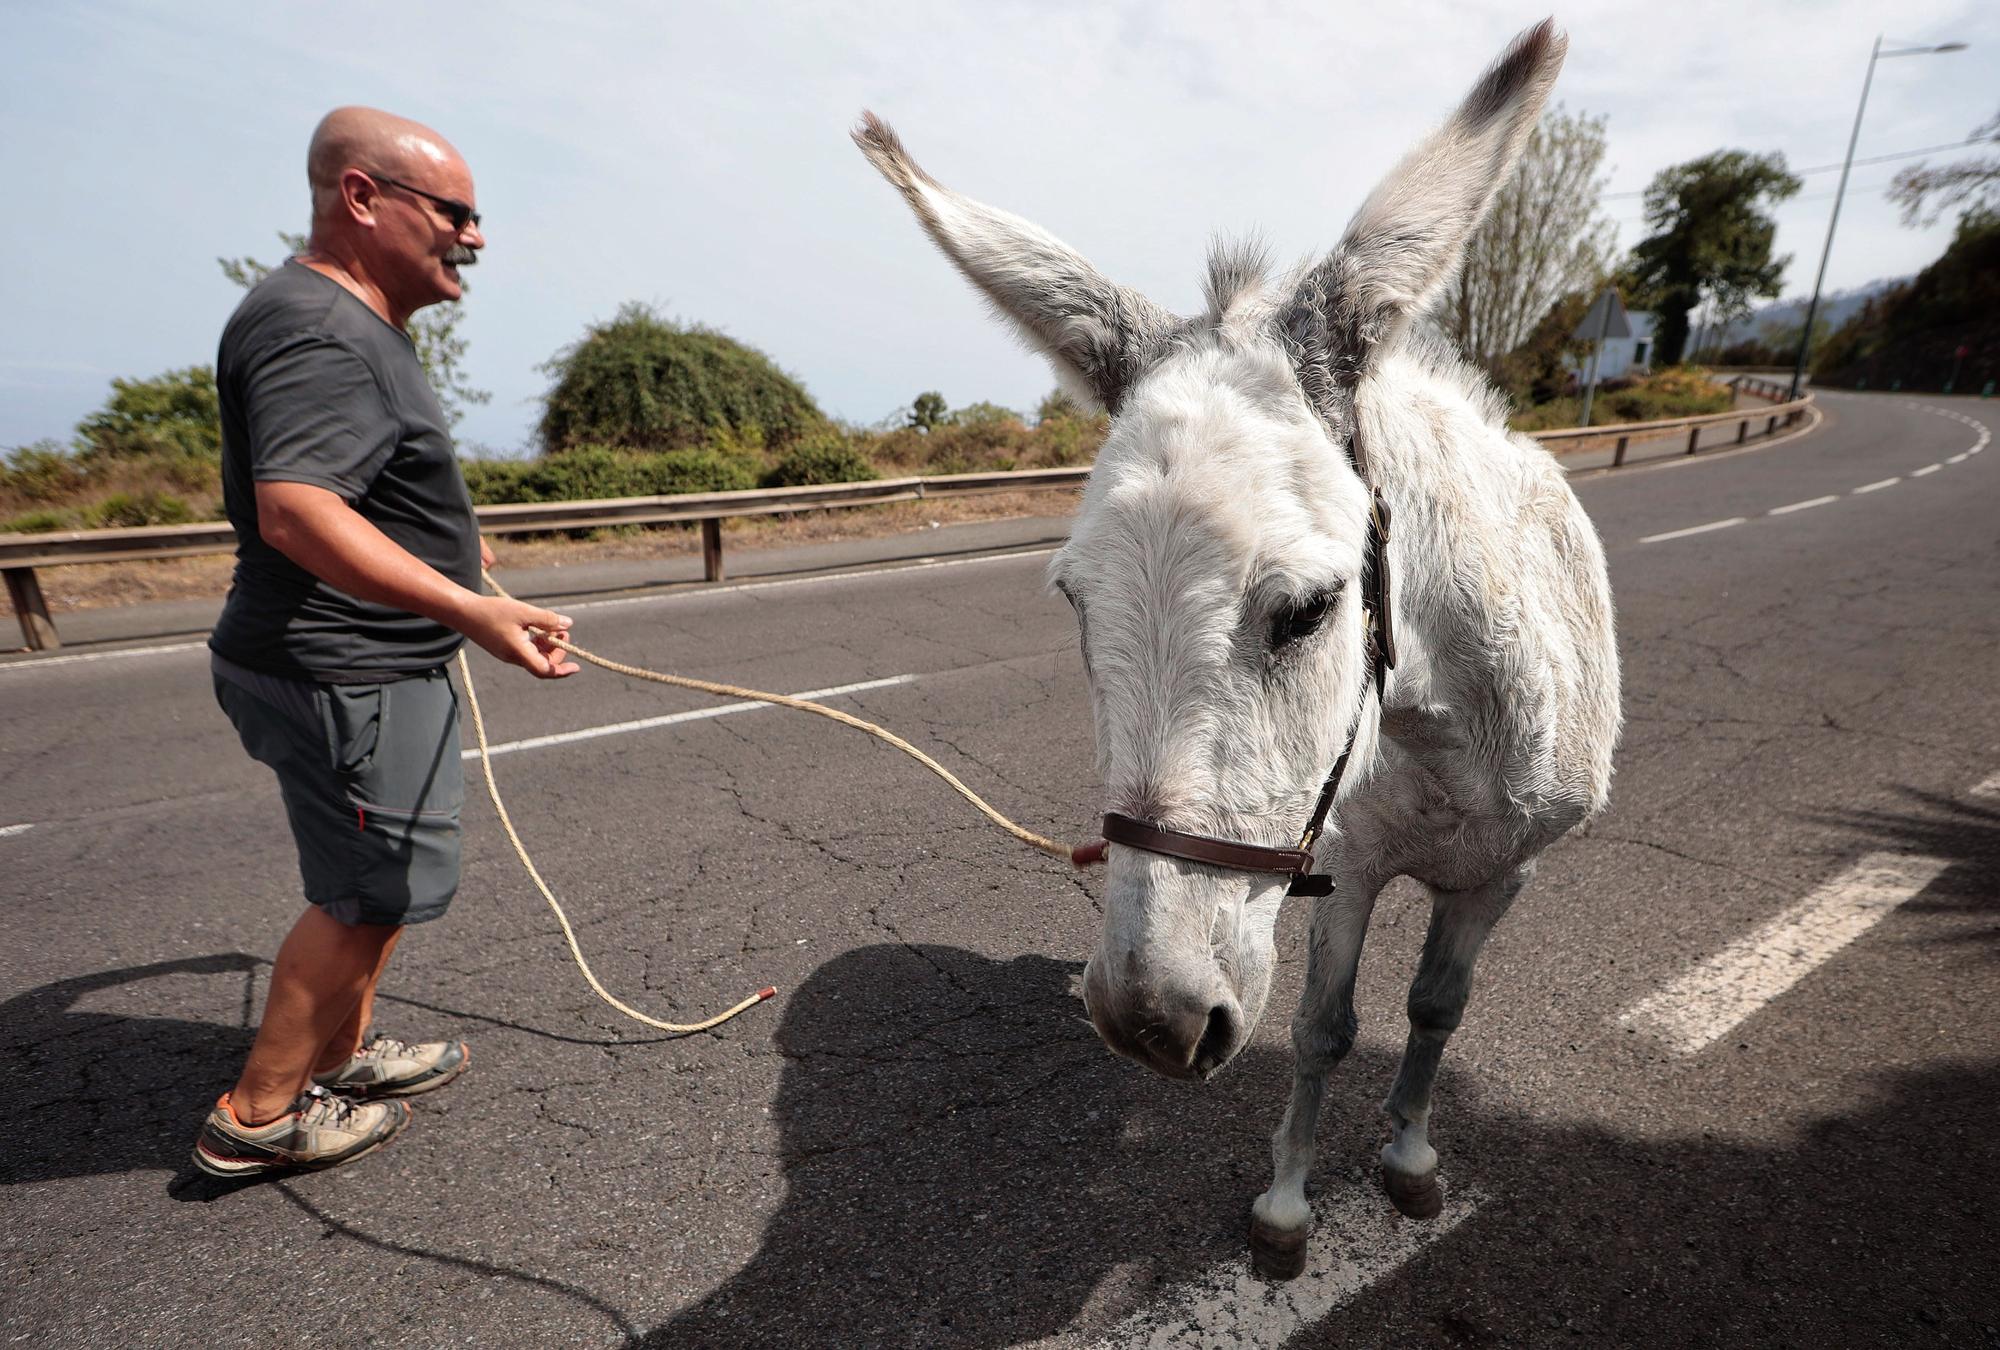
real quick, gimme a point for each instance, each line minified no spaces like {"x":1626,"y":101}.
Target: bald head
{"x":370,"y":139}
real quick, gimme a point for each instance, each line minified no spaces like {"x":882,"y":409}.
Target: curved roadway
{"x":1729,"y":1076}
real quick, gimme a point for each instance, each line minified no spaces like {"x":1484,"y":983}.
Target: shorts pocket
{"x":353,"y":714}
{"x":406,"y":791}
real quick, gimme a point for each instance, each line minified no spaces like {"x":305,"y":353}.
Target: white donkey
{"x":1231,"y":575}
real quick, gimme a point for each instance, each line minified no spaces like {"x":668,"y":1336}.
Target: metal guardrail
{"x":21,"y":554}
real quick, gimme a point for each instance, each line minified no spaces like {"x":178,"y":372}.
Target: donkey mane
{"x":1242,"y":296}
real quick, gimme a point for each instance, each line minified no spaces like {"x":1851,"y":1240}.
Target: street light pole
{"x":1812,"y":309}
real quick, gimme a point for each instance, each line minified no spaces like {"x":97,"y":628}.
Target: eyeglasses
{"x":458,"y":213}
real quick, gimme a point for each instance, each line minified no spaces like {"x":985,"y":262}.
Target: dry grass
{"x":105,"y":585}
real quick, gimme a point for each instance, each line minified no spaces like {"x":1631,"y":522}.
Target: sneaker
{"x":387,"y":1067}
{"x":321,"y":1130}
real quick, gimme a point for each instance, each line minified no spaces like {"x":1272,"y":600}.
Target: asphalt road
{"x":920,"y":1142}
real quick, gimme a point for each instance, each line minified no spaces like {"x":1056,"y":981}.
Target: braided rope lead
{"x":1077,"y":856}
{"x":569,"y":934}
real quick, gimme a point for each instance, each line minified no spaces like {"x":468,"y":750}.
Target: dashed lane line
{"x":1800,"y":506}
{"x":6,"y":830}
{"x":1358,"y":1240}
{"x":1989,"y":787}
{"x":1985,"y":436}
{"x":1693,"y":1011}
{"x":674,"y":719}
{"x":1693,"y":529}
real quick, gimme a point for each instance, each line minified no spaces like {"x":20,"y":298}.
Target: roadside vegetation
{"x":643,"y":405}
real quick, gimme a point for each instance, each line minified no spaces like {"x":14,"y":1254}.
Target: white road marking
{"x":671,"y":719}
{"x":1692,"y":529}
{"x":1708,"y":1001}
{"x":1878,"y":486}
{"x":1959,"y":458}
{"x":1800,"y":506}
{"x":1356,"y":1241}
{"x":692,"y":592}
{"x":1928,"y":468}
{"x":6,"y":830}
{"x":1989,"y":787}
{"x":44,"y":662}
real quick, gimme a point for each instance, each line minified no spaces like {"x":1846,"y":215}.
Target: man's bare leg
{"x":324,"y":978}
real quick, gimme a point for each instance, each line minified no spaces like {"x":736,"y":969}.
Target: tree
{"x":1539,"y":369}
{"x":433,"y":332}
{"x":1542,"y":240}
{"x":1056,"y":403}
{"x":929,"y":410}
{"x":983,"y":414}
{"x":1710,"y":240}
{"x":1914,"y":334}
{"x":1973,"y":183}
{"x":174,"y":416}
{"x":644,"y":382}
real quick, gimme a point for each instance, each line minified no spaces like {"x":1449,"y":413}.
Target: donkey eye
{"x":1301,"y":620}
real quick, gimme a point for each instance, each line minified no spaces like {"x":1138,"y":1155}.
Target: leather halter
{"x":1379,"y":642}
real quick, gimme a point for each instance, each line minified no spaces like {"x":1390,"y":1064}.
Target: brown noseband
{"x":1297,"y":863}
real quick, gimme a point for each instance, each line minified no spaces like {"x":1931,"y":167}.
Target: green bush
{"x":174,"y":415}
{"x":493,"y":481}
{"x":643,"y":382}
{"x":825,"y":459}
{"x":594,"y":472}
{"x":123,"y":510}
{"x":38,"y":522}
{"x":1068,"y":439}
{"x":42,"y":472}
{"x":698,"y":470}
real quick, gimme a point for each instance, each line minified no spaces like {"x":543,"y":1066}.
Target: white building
{"x":1622,"y":355}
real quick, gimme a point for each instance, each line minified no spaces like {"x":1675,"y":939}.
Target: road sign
{"x":1605,"y":320}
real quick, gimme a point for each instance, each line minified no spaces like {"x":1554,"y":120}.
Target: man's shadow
{"x":89,"y":1093}
{"x":965,"y":1162}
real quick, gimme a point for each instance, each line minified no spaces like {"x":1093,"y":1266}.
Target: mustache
{"x":461,"y":256}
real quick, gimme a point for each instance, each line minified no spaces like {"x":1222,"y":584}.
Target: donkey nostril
{"x":1216,"y":1039}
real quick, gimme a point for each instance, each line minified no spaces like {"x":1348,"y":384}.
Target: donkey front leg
{"x":1460,"y":923}
{"x":1322,"y":1033}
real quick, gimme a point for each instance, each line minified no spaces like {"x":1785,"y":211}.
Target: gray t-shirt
{"x":316,"y":388}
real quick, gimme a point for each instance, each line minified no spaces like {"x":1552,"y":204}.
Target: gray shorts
{"x":372,"y":782}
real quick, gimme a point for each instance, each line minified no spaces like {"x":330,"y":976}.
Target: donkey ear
{"x":1099,"y":337}
{"x":1407,"y":237}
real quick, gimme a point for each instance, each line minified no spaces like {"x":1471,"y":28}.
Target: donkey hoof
{"x":1417,"y":1197}
{"x":1277,"y":1253}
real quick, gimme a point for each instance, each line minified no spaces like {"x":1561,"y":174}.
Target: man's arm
{"x":320,"y":532}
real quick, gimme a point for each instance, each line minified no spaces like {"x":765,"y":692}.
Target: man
{"x":357,"y":572}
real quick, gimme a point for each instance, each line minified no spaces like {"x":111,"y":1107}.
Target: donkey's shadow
{"x":955,"y":1137}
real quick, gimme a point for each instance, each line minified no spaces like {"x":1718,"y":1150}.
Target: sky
{"x":695,"y":157}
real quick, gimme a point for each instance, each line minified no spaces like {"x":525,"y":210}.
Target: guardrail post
{"x":1771,"y":424}
{"x":711,"y":548}
{"x":1742,"y":431}
{"x":1618,"y":455}
{"x":1694,"y":435}
{"x":26,"y":594}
